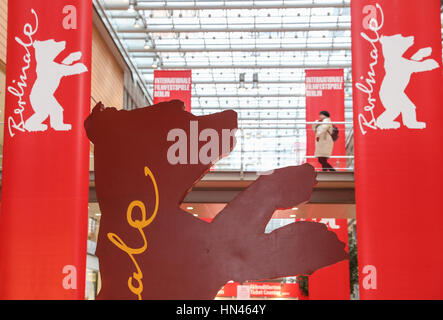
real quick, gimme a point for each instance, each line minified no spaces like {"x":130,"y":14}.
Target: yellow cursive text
{"x":138,"y":224}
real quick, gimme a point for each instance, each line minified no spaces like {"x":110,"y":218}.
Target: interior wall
{"x":107,"y":78}
{"x":3,"y":35}
{"x":3,"y":27}
{"x":107,"y":75}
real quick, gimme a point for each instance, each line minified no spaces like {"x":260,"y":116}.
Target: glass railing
{"x":265,"y":146}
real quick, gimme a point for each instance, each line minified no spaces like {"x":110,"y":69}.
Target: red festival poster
{"x":325,"y":92}
{"x":44,"y":207}
{"x":173,"y":85}
{"x":332,"y":282}
{"x":397,"y":91}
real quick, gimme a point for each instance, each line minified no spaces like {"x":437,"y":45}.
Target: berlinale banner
{"x":173,"y":85}
{"x":325,"y":92}
{"x":397,"y":76}
{"x":43,"y":219}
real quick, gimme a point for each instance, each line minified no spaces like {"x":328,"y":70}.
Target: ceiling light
{"x":295,"y":208}
{"x":255,"y":80}
{"x":189,"y":208}
{"x":147,"y":44}
{"x":98,"y":214}
{"x":132,"y":4}
{"x":195,"y":215}
{"x":242,"y":81}
{"x":155,"y":63}
{"x":138,"y":23}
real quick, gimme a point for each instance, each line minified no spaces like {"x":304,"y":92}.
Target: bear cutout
{"x":398,"y":74}
{"x":49,"y":74}
{"x":150,"y":248}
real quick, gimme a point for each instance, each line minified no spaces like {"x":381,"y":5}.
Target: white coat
{"x":325,"y":144}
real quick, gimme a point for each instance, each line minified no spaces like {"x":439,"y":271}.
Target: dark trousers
{"x":325,"y":164}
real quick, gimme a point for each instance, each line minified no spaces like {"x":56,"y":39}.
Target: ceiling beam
{"x":222,"y":28}
{"x":142,"y":36}
{"x":219,"y":82}
{"x":277,"y":120}
{"x":286,"y":127}
{"x":241,"y":48}
{"x":252,"y":66}
{"x":159,"y":20}
{"x":224,"y":5}
{"x":348,"y":107}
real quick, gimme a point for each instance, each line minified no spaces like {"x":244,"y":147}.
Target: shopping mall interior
{"x":248,"y":56}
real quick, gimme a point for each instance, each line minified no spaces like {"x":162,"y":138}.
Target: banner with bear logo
{"x":173,"y":85}
{"x":397,"y":92}
{"x":325,"y":92}
{"x":45,"y":178}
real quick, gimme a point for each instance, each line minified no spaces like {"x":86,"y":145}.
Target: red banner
{"x":396,"y":46}
{"x":332,"y":282}
{"x":173,"y":85}
{"x":43,"y":219}
{"x":325,"y":92}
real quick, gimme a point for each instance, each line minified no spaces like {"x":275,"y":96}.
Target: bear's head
{"x":148,"y":136}
{"x":396,"y":45}
{"x":48,"y":50}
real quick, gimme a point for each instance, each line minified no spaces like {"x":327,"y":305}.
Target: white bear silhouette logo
{"x":398,"y":74}
{"x":49,"y":75}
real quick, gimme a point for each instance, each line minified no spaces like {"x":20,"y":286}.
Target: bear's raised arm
{"x":421,"y":54}
{"x":73,"y":57}
{"x":426,"y":65}
{"x":77,"y":68}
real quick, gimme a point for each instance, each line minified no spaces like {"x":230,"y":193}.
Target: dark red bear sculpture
{"x":149,"y":248}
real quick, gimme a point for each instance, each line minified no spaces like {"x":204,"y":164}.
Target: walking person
{"x":323,"y":140}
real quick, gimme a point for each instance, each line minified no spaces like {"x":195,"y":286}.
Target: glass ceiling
{"x":219,"y":40}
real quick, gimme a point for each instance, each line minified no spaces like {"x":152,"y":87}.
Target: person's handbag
{"x":334,"y":133}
